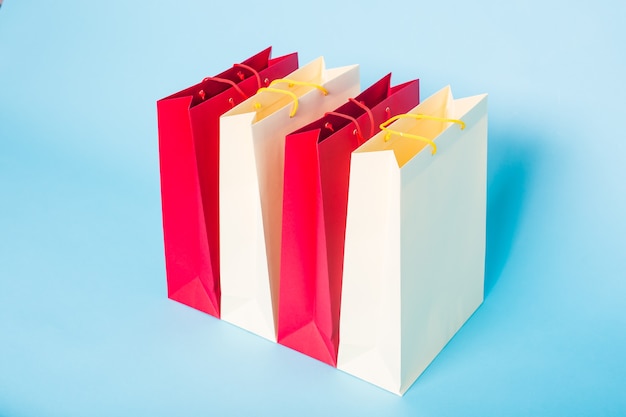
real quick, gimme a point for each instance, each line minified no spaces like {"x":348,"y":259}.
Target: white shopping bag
{"x":252,"y":144}
{"x":415,"y":240}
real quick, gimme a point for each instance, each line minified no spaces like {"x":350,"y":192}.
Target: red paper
{"x":317,"y":169}
{"x":188,"y":125}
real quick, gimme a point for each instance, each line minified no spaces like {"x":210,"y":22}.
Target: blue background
{"x":86,"y":328}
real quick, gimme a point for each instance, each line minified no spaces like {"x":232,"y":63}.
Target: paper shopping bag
{"x":252,"y":141}
{"x":317,"y":168}
{"x":415,"y":240}
{"x":188,"y":125}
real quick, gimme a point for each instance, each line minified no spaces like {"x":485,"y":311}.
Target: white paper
{"x":252,"y":143}
{"x":415,"y":242}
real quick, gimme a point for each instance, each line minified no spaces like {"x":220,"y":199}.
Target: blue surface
{"x":85,"y":325}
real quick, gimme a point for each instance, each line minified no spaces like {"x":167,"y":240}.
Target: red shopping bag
{"x":188,"y":126}
{"x":317,"y":168}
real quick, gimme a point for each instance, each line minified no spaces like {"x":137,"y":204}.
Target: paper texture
{"x":317,"y":169}
{"x":415,"y":242}
{"x":252,"y":141}
{"x":188,"y":125}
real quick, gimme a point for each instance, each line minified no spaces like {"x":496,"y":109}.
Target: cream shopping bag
{"x":252,"y":142}
{"x":415,"y":239}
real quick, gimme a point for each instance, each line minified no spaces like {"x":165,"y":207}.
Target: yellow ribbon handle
{"x":426,"y":117}
{"x":291,"y":83}
{"x":390,"y":132}
{"x":278,"y":90}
